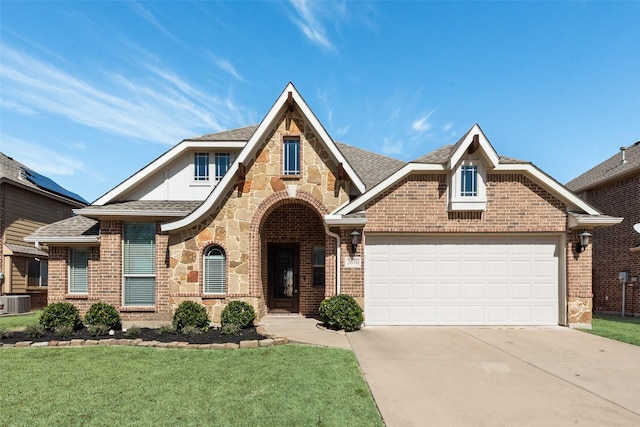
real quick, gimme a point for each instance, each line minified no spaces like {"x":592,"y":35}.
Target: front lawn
{"x":283,"y":385}
{"x":9,"y":322}
{"x":625,"y":329}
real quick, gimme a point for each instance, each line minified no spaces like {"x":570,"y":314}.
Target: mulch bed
{"x":212,"y":336}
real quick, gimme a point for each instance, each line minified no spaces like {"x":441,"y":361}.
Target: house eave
{"x":339,"y":220}
{"x":592,"y":221}
{"x":116,"y":213}
{"x":87,"y":240}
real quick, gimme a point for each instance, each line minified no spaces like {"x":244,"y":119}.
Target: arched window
{"x":215,"y":271}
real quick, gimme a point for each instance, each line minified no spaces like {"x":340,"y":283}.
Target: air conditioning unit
{"x":13,"y":304}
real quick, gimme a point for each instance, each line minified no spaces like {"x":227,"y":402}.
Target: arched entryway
{"x":292,"y":257}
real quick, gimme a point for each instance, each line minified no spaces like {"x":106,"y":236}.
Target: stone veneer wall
{"x":237,"y":224}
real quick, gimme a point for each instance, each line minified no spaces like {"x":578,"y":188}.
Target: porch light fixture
{"x":355,"y":239}
{"x":583,"y":242}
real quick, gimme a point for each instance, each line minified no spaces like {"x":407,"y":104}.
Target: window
{"x":318,"y":266}
{"x":467,"y":190}
{"x":78,"y":277}
{"x":468,"y":181}
{"x":222,"y":164}
{"x":291,"y":156}
{"x":201,"y":167}
{"x":139,"y":264}
{"x":37,"y":272}
{"x":215,"y":271}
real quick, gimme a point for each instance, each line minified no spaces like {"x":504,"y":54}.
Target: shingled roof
{"x":612,"y":168}
{"x":75,"y":229}
{"x":240,"y":134}
{"x":17,"y":173}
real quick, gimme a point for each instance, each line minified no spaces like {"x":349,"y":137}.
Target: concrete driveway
{"x":422,"y":376}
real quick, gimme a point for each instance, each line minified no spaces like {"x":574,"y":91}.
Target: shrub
{"x":3,"y":333}
{"x":341,"y":312}
{"x":60,"y":314}
{"x":98,"y":330}
{"x":190,"y":313}
{"x":230,"y":329}
{"x":34,"y":331}
{"x":166,"y":330}
{"x":105,"y":314}
{"x":238,"y":313}
{"x":191,"y":330}
{"x":132,"y":332}
{"x":64,"y":331}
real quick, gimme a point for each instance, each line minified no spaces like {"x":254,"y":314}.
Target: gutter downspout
{"x":337,"y":237}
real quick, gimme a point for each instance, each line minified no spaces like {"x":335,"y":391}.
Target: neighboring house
{"x":27,"y":202}
{"x":613,"y":186}
{"x":281,"y":216}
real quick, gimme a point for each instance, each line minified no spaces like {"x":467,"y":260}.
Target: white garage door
{"x":461,"y":281}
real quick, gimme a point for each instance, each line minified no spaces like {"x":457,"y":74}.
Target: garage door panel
{"x":418,"y":280}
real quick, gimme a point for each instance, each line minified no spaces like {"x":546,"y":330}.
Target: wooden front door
{"x":283,"y":277}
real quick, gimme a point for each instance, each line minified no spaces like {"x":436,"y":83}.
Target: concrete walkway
{"x":424,"y":376}
{"x":305,"y":330}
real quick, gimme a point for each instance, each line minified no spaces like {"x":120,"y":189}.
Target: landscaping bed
{"x":212,"y":336}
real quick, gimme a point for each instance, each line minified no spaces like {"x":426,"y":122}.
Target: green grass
{"x":8,"y":323}
{"x":625,"y":329}
{"x":271,"y":386}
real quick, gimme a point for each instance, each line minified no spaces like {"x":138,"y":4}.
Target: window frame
{"x":133,"y":264}
{"x":318,"y":254}
{"x":208,"y":289}
{"x":198,"y":174}
{"x":43,"y":272}
{"x":287,"y":141}
{"x":70,"y":273}
{"x":217,"y":166}
{"x":461,"y":200}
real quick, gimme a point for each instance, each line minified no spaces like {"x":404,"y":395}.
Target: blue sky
{"x":92,"y":91}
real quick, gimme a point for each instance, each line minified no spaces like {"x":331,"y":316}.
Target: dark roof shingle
{"x":609,"y":169}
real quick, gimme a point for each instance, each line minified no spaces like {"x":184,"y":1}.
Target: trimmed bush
{"x":60,"y":314}
{"x":105,"y":314}
{"x":238,"y":313}
{"x":342,"y":312}
{"x":190,"y":313}
{"x":98,"y":330}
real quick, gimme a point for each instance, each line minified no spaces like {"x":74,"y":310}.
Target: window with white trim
{"x":201,"y":167}
{"x":78,"y":271}
{"x":467,"y":190}
{"x":139,"y":264}
{"x":215,"y":271}
{"x":291,"y":156}
{"x":223,"y":160}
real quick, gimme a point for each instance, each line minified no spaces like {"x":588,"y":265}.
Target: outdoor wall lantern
{"x":583,"y":242}
{"x":355,"y":239}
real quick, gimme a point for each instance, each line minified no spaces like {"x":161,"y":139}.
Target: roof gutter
{"x":592,"y":221}
{"x":339,"y":220}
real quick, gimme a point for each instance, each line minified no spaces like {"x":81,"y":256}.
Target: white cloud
{"x":17,"y":107}
{"x":447,"y":127}
{"x":309,"y":24}
{"x":389,"y":146}
{"x":422,"y":125}
{"x":160,"y":108}
{"x":40,"y":158}
{"x":226,"y":66}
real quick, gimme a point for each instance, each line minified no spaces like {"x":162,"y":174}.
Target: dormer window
{"x":467,"y":190}
{"x":201,"y":167}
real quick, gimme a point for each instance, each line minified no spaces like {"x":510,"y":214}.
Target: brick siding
{"x":611,"y":245}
